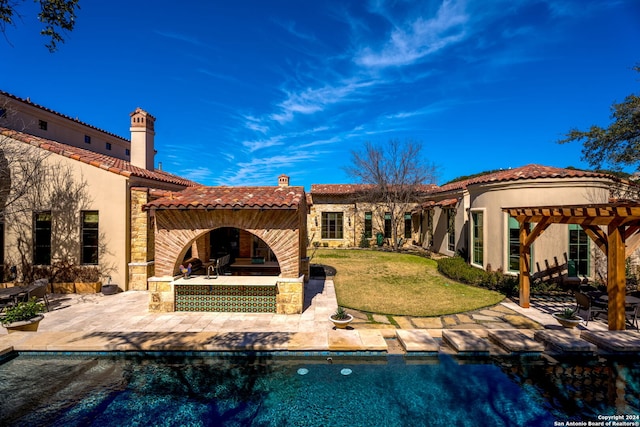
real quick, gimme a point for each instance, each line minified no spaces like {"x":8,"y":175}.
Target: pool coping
{"x":333,"y":341}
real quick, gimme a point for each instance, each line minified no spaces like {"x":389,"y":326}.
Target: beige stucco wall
{"x":552,"y":245}
{"x":107,"y":193}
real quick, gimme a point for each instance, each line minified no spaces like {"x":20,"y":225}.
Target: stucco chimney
{"x":142,"y":135}
{"x":283,"y":181}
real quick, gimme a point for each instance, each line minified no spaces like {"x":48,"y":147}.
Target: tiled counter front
{"x":226,"y":298}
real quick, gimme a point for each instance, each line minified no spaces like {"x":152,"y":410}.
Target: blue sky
{"x":243,"y":91}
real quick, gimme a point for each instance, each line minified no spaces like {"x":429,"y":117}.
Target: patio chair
{"x":584,"y":304}
{"x":5,"y":302}
{"x":39,"y":290}
{"x":631,"y":314}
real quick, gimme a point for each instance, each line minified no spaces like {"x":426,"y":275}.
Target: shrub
{"x":364,"y":242}
{"x":457,"y":269}
{"x":22,"y":311}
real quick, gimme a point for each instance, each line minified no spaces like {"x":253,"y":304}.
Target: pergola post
{"x":616,"y":278}
{"x":525,"y":263}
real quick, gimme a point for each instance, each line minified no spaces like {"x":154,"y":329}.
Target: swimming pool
{"x":262,"y":390}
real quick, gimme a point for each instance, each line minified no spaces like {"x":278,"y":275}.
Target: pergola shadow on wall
{"x":615,"y":229}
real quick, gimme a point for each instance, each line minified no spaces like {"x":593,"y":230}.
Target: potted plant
{"x":341,"y":318}
{"x":568,"y":318}
{"x":109,"y":288}
{"x":24,"y":316}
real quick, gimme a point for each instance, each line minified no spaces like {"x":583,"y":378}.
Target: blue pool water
{"x":275,"y":391}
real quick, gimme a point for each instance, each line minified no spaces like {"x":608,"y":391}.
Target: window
{"x":368,"y":225}
{"x":477,"y":253}
{"x":3,"y":113}
{"x":90,"y":237}
{"x":42,"y":124}
{"x":387,"y":225}
{"x":407,"y":225}
{"x":332,"y":225}
{"x":429,"y":228}
{"x":87,"y":139}
{"x":451,"y":229}
{"x":108,"y":146}
{"x":127,"y":151}
{"x":514,"y":245}
{"x":578,"y":251}
{"x":42,"y":238}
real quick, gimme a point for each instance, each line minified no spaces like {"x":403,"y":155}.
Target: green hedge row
{"x":457,"y":269}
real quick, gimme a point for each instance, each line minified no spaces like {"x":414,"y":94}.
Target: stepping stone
{"x":515,"y":341}
{"x":344,"y":340}
{"x":466,"y":342}
{"x":417,"y":340}
{"x":565,"y":341}
{"x":373,"y":340}
{"x":614,"y":341}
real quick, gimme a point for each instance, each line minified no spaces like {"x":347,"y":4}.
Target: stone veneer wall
{"x":142,"y":241}
{"x":333,"y":204}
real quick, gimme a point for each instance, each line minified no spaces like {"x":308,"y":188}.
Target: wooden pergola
{"x":615,"y":229}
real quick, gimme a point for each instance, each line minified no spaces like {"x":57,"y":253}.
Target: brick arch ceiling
{"x":176,"y":229}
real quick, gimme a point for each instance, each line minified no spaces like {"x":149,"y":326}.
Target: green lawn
{"x":399,"y":284}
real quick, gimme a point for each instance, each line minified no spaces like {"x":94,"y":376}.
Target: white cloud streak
{"x":416,"y":40}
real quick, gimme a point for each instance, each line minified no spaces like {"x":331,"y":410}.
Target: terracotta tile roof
{"x":102,"y":161}
{"x":532,"y":171}
{"x":202,"y":197}
{"x":33,"y":104}
{"x":345,"y":189}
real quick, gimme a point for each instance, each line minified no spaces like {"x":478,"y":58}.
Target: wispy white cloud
{"x":217,"y":75}
{"x":200,"y":174}
{"x":313,"y":100}
{"x":181,"y":37}
{"x":263,"y":143}
{"x":419,"y":38}
{"x":290,"y":27}
{"x":255,"y":124}
{"x":263,"y":170}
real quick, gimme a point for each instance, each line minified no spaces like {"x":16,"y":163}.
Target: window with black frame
{"x":407,"y":225}
{"x":332,"y":225}
{"x":387,"y":225}
{"x":368,"y":225}
{"x":42,"y":238}
{"x":90,"y":237}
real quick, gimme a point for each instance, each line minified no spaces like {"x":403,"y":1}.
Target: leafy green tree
{"x":617,"y":145}
{"x":57,"y":16}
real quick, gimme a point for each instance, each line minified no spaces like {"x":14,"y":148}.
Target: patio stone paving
{"x":94,"y":322}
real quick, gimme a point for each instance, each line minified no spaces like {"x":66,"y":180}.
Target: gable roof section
{"x":102,"y":161}
{"x":203,"y":197}
{"x":349,"y":189}
{"x":532,"y":171}
{"x":33,"y":104}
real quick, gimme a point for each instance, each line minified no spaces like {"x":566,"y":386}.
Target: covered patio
{"x":613,"y":227}
{"x":182,"y":224}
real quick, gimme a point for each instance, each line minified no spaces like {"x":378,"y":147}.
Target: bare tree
{"x":21,"y":165}
{"x":396,"y":176}
{"x":31,"y":181}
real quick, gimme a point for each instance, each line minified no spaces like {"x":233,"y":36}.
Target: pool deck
{"x":122,"y":322}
